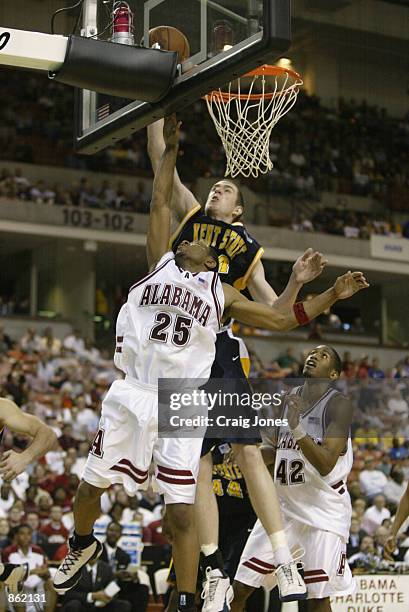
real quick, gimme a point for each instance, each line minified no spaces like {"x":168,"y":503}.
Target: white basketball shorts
{"x":326,"y":570}
{"x":127,"y":441}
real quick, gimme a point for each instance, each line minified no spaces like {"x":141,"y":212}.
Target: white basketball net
{"x":244,"y":121}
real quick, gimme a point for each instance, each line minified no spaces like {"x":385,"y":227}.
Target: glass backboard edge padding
{"x":186,"y":81}
{"x":265,"y":47}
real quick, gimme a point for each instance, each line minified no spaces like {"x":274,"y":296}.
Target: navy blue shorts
{"x":232,"y":361}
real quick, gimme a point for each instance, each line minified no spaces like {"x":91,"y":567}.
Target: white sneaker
{"x":217,"y":591}
{"x":291,"y":586}
{"x":14,"y":576}
{"x":69,"y":572}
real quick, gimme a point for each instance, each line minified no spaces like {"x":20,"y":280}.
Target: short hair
{"x":336,"y":360}
{"x":23,"y":526}
{"x":114,"y":523}
{"x":239,"y":199}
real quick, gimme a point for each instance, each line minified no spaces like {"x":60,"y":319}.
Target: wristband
{"x":298,"y":432}
{"x":300,"y":313}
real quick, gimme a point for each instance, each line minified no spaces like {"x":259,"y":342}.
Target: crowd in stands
{"x":338,"y":221}
{"x":13,"y":185}
{"x":63,"y":383}
{"x":352,"y":148}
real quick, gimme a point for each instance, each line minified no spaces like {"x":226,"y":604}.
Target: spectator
{"x":372,"y":480}
{"x":375,"y":371}
{"x":90,"y":590}
{"x":397,"y":405}
{"x":31,"y":341}
{"x":4,"y":533}
{"x":54,"y":529}
{"x":66,"y":440}
{"x":7,"y":498}
{"x":366,"y":554}
{"x":39,"y":581}
{"x":49,"y":343}
{"x":287,"y":359}
{"x":375,"y":514}
{"x":37,"y":537}
{"x":395,"y":487}
{"x":74,"y":342}
{"x":131,"y":590}
{"x":355,"y":536}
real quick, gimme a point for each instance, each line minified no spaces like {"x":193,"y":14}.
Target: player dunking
{"x":12,"y":464}
{"x":311,"y":463}
{"x":167,"y":328}
{"x":239,"y":257}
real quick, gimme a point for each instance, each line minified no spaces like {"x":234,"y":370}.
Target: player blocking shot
{"x":13,"y":463}
{"x":311,"y":461}
{"x":240,"y":265}
{"x":167,"y":329}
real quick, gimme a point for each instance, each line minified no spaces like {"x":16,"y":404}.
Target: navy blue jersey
{"x":238,"y":251}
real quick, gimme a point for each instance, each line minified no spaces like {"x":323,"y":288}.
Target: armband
{"x":300,"y":313}
{"x":299,"y":432}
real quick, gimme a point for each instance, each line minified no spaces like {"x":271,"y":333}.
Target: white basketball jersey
{"x":168,"y":326}
{"x":320,"y":501}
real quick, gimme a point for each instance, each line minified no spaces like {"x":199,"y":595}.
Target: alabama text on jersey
{"x":168,"y":326}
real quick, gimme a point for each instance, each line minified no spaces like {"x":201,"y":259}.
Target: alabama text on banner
{"x":390,"y":248}
{"x":375,"y":593}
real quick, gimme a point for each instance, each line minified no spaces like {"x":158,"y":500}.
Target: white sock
{"x":208,"y":549}
{"x":282,"y":553}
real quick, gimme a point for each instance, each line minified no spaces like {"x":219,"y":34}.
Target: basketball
{"x":170,"y":39}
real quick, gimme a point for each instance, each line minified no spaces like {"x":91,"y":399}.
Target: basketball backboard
{"x":227,"y":38}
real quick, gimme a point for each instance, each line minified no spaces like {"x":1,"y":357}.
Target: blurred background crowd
{"x":63,"y":383}
{"x":352,"y":148}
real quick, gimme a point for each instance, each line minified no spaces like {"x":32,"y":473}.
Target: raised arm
{"x":160,"y":212}
{"x":306,"y":268}
{"x":276,"y":319}
{"x":44,"y":439}
{"x":183,"y":200}
{"x":325,"y":455}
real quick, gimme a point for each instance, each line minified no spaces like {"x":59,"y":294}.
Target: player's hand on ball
{"x":171,"y":130}
{"x":293,"y":404}
{"x":348,"y":284}
{"x":12,"y":464}
{"x":309,"y":266}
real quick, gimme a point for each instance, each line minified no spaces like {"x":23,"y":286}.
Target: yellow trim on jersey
{"x":241,"y":283}
{"x":246,"y":365}
{"x":182,"y":224}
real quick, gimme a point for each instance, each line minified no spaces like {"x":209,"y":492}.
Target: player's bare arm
{"x":402,"y":513}
{"x":44,"y":439}
{"x":259,"y":315}
{"x":183,"y":199}
{"x":307,"y":267}
{"x":323,"y":456}
{"x":160,"y":212}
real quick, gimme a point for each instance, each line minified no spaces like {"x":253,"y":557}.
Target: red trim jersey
{"x":305,"y":495}
{"x":168,"y":326}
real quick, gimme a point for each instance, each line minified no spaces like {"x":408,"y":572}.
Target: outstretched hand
{"x":308,"y":266}
{"x":346,"y":285}
{"x":171,"y":130}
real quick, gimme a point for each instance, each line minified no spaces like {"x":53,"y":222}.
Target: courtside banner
{"x":390,"y":248}
{"x":375,"y":593}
